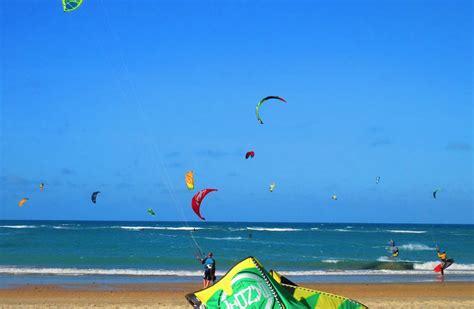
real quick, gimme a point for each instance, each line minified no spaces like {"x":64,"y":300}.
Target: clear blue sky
{"x":126,"y":96}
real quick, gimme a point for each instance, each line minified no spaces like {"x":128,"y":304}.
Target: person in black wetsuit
{"x":209,"y":270}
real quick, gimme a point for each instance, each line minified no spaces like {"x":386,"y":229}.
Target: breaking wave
{"x":406,"y":231}
{"x":274,"y":229}
{"x":415,"y":247}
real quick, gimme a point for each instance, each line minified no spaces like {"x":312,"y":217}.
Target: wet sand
{"x":171,"y":295}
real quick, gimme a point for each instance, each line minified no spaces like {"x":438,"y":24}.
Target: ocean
{"x":115,"y":252}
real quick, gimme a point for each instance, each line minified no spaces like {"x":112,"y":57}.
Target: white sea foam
{"x":99,"y":271}
{"x":19,"y":226}
{"x":420,"y":269}
{"x":342,"y":230}
{"x":140,"y":228}
{"x":371,"y":272}
{"x":454,"y":267}
{"x":416,"y":247}
{"x":314,"y":228}
{"x":406,"y":231}
{"x":223,"y":238}
{"x":331,"y":261}
{"x":274,"y":229}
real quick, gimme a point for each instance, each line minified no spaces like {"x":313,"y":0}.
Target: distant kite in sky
{"x":94,"y":196}
{"x":41,"y":187}
{"x":257,"y":108}
{"x":435,"y":192}
{"x":197,"y":200}
{"x":249,"y":154}
{"x":151,"y":212}
{"x":334,"y":197}
{"x":71,"y":5}
{"x":22,"y":201}
{"x":189,"y":179}
{"x":377,"y":179}
{"x":272,"y":186}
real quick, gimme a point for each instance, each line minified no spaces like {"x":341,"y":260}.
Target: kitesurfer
{"x":445,"y":262}
{"x":209,"y":270}
{"x":393,"y":248}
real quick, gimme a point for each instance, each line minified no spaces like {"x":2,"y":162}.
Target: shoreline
{"x":171,"y":295}
{"x":8,"y":280}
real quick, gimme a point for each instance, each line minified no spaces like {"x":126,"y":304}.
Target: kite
{"x":334,"y":197}
{"x":272,"y":186}
{"x":189,"y":178}
{"x":434,"y":193}
{"x":249,"y":154}
{"x":94,"y":196}
{"x":151,"y":212}
{"x":22,"y":201}
{"x":377,"y":179}
{"x":41,"y":187}
{"x":249,"y":285}
{"x":197,"y":199}
{"x":71,"y":5}
{"x":257,"y":108}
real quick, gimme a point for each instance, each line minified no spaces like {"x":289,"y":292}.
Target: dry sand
{"x":171,"y":295}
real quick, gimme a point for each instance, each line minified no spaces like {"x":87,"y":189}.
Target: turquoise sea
{"x":114,"y":252}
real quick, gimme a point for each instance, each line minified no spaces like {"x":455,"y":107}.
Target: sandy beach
{"x":171,"y":295}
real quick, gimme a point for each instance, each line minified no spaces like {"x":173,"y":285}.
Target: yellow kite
{"x":22,"y":201}
{"x":189,"y":178}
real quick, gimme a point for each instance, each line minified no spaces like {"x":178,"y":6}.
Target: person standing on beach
{"x":209,"y":270}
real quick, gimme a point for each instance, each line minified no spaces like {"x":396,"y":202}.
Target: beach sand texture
{"x":412,"y":295}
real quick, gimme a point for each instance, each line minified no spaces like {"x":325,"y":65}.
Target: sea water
{"x":115,"y":252}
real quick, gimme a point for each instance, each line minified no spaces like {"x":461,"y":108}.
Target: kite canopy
{"x":434,"y":193}
{"x":257,"y":108}
{"x":189,"y":179}
{"x":71,"y":5}
{"x":94,"y":196}
{"x":151,"y":212}
{"x":334,"y":197}
{"x":249,"y":154}
{"x":22,"y":201}
{"x":249,"y":285}
{"x":272,"y":186}
{"x":197,"y":200}
{"x":41,"y":186}
{"x":377,"y":179}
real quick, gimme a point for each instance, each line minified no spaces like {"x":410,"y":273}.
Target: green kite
{"x":248,"y":285}
{"x":71,"y":5}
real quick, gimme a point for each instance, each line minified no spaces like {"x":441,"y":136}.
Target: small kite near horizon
{"x":22,"y":201}
{"x":94,"y":196}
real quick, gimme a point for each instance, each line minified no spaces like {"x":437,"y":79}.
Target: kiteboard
{"x":448,"y":263}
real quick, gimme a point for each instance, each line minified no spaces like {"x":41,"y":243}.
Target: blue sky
{"x":125,"y":97}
